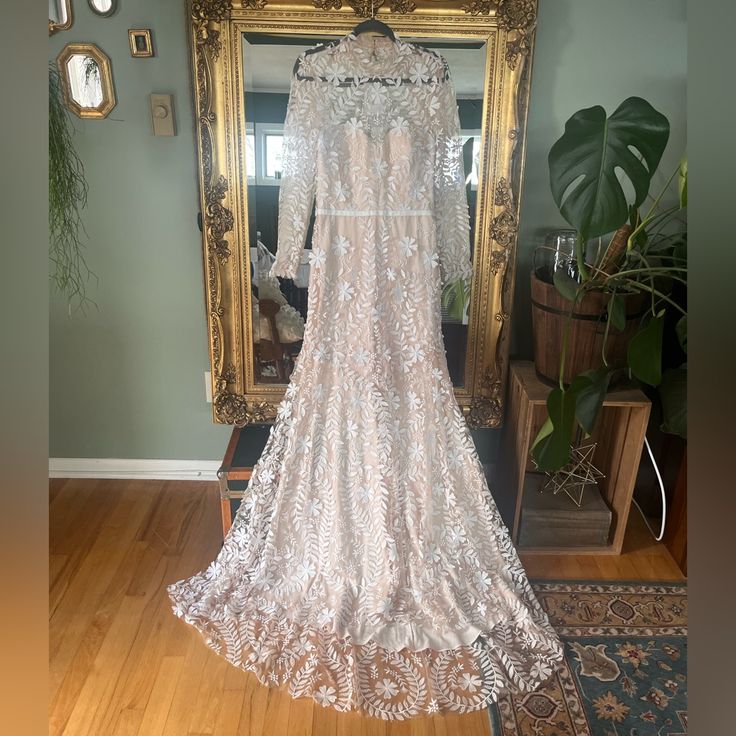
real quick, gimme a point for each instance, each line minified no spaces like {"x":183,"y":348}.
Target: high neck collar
{"x":372,"y":47}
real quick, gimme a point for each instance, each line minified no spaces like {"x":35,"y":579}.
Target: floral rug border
{"x":654,"y":609}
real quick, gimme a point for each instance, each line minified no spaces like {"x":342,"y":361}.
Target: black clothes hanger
{"x":376,"y":26}
{"x":366,"y":26}
{"x":369,"y":25}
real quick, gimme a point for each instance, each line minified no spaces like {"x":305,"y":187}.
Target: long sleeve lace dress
{"x":369,"y":567}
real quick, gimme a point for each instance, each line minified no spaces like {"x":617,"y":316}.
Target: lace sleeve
{"x":451,"y":202}
{"x":297,"y":186}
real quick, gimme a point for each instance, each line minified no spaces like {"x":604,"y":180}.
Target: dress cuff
{"x":285,"y":267}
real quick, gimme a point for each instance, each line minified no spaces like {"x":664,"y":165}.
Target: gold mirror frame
{"x":103,"y":64}
{"x":507,"y":26}
{"x":54,"y":26}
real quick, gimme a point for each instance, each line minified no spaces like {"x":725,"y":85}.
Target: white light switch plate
{"x":208,"y":386}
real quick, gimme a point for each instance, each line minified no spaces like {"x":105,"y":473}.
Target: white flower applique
{"x":387,"y":688}
{"x":399,"y":125}
{"x":345,"y":291}
{"x":419,"y":73}
{"x":470,"y":682}
{"x":340,"y":191}
{"x":325,"y":695}
{"x":340,"y":245}
{"x":354,"y":126}
{"x":407,"y":246}
{"x":317,"y":258}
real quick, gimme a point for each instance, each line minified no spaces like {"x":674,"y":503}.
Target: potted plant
{"x":643,"y":262}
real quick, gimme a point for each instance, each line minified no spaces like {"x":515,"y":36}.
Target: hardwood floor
{"x":121,"y":664}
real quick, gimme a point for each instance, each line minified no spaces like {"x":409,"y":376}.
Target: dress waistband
{"x":364,"y":213}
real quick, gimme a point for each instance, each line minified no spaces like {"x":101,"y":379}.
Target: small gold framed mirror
{"x":60,"y":15}
{"x":86,"y":79}
{"x":103,"y":8}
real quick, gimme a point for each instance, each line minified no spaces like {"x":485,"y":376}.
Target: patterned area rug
{"x":625,"y":670}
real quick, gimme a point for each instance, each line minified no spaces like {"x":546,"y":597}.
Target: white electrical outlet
{"x":208,"y":386}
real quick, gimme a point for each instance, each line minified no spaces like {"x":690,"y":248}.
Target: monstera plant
{"x":601,"y":171}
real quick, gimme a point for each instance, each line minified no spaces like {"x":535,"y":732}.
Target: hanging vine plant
{"x":67,"y":198}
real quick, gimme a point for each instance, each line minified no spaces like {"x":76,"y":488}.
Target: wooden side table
{"x":619,"y":433}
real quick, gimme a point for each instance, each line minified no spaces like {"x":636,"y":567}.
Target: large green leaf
{"x":617,"y":312}
{"x":673,"y":392}
{"x":551,"y":449}
{"x":645,"y":351}
{"x":545,"y":431}
{"x":588,"y":155}
{"x":566,"y":285}
{"x":590,"y":397}
{"x":681,"y":330}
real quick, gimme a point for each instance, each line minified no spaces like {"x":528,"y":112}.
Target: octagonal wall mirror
{"x":103,"y":8}
{"x":60,"y":15}
{"x":86,"y":79}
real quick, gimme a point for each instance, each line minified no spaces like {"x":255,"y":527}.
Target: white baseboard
{"x":72,"y":467}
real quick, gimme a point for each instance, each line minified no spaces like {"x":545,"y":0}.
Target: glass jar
{"x":557,"y":254}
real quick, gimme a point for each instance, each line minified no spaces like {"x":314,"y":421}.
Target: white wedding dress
{"x":369,"y":567}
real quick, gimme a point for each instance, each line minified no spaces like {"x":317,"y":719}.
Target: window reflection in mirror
{"x":280,"y":305}
{"x":60,"y":15}
{"x":58,"y":12}
{"x":85,"y":81}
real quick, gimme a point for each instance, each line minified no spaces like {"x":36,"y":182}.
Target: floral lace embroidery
{"x":369,"y":567}
{"x":404,"y":136}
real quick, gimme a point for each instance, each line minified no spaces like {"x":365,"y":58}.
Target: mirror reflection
{"x":60,"y":15}
{"x":85,"y":80}
{"x":280,"y":305}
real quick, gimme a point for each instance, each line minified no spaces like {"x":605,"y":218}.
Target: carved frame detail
{"x":508,"y":27}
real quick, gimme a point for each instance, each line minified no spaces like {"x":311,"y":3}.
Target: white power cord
{"x":664,"y":498}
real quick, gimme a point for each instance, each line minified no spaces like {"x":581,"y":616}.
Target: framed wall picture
{"x":140,"y":42}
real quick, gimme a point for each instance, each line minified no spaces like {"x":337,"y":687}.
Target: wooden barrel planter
{"x":585,"y":342}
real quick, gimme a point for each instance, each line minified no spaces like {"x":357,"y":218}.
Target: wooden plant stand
{"x":619,"y":433}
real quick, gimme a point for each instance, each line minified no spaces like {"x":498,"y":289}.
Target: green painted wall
{"x":126,"y":380}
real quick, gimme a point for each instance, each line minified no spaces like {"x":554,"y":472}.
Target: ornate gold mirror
{"x":243,"y":54}
{"x":86,"y":80}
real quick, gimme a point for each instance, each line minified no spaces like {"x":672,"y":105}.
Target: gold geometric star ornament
{"x":578,"y":473}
